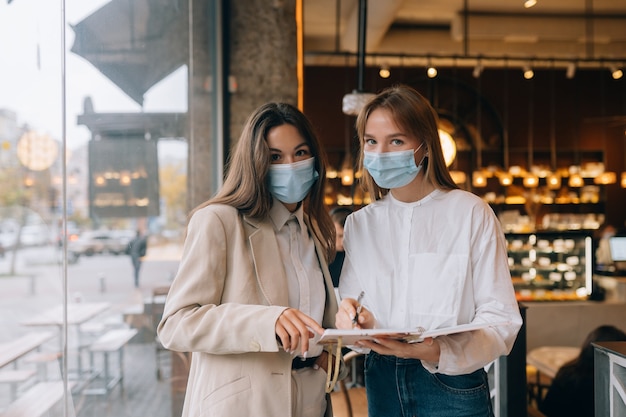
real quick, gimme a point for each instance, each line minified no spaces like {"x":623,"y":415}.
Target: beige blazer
{"x":229,"y":290}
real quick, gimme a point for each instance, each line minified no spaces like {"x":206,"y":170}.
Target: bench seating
{"x":14,"y":377}
{"x":37,"y":401}
{"x":110,"y":342}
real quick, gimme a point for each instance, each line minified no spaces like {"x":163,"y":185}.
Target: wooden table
{"x":77,"y":314}
{"x":549,"y":359}
{"x":546,"y":361}
{"x":15,"y":349}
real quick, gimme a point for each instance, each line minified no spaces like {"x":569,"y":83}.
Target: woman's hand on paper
{"x":428,"y":350}
{"x":293,"y":328}
{"x":347,"y":312}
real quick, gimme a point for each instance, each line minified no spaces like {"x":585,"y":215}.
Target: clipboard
{"x":351,"y":336}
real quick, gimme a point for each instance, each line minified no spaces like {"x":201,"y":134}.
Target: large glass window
{"x":93,"y":203}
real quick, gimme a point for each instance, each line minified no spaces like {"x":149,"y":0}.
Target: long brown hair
{"x":414,"y":114}
{"x":246,"y":182}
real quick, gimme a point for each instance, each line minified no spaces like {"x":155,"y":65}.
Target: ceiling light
{"x":576,"y":181}
{"x":431,"y":71}
{"x":530,"y":181}
{"x":352,"y":103}
{"x":570,"y":71}
{"x":347,"y":170}
{"x":528,"y":72}
{"x":505,"y":178}
{"x":331,"y":172}
{"x":529,"y":3}
{"x":459,"y":177}
{"x":479,"y":180}
{"x":478,"y":69}
{"x":384,"y":71}
{"x":448,"y":146}
{"x":607,"y":177}
{"x":553,"y":181}
{"x":616,"y":73}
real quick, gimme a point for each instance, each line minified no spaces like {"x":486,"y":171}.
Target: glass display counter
{"x":551,"y":266}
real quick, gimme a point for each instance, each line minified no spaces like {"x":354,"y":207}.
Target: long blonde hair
{"x":246,"y":182}
{"x":414,"y":114}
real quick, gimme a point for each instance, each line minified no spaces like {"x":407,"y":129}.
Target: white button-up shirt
{"x":437,"y":262}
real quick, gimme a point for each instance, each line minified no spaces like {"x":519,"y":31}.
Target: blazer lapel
{"x":267,"y":262}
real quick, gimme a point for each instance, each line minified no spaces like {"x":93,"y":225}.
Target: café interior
{"x":531,"y":123}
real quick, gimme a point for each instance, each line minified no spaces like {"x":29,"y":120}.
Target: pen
{"x":359,"y":306}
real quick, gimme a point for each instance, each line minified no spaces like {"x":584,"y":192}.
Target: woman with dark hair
{"x":424,"y":253}
{"x":253,"y":292}
{"x":571,"y":393}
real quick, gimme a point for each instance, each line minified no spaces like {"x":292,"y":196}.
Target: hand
{"x":428,"y":350}
{"x":346,"y":313}
{"x":322,"y":361}
{"x":291,"y":330}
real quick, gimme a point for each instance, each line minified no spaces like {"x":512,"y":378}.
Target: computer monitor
{"x":617,"y":246}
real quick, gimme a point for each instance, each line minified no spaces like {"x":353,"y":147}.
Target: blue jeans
{"x":403,"y":388}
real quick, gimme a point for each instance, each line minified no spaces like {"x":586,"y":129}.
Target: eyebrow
{"x":296,"y":148}
{"x":390,"y":136}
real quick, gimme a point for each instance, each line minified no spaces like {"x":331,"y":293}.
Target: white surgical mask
{"x":392,"y":169}
{"x":290,"y":183}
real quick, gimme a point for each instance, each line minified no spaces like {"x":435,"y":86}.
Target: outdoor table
{"x":77,"y":314}
{"x":15,"y":349}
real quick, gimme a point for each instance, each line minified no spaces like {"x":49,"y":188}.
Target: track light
{"x":529,"y":3}
{"x":431,"y":71}
{"x":570,"y":71}
{"x":528,"y":72}
{"x":616,"y":73}
{"x":478,"y":69}
{"x":384,"y":71}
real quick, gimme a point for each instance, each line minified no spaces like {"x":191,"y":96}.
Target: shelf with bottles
{"x":549,"y":266}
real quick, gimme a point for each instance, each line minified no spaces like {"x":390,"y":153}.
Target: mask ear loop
{"x":333,"y":371}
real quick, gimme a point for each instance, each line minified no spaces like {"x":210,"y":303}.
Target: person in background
{"x":571,"y":393}
{"x":253,"y":289}
{"x":137,"y":250}
{"x":424,"y":253}
{"x":338,"y":214}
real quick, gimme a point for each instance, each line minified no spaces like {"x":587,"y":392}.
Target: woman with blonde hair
{"x":253,"y":292}
{"x":424,"y":254}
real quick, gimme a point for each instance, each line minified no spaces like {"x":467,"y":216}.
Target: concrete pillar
{"x":261,"y":52}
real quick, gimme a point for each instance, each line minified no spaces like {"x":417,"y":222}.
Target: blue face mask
{"x":290,"y":183}
{"x":392,"y":169}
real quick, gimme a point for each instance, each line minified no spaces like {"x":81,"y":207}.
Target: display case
{"x":551,"y":266}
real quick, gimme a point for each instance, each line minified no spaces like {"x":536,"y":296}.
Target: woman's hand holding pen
{"x":348,"y":318}
{"x":293,"y":328}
